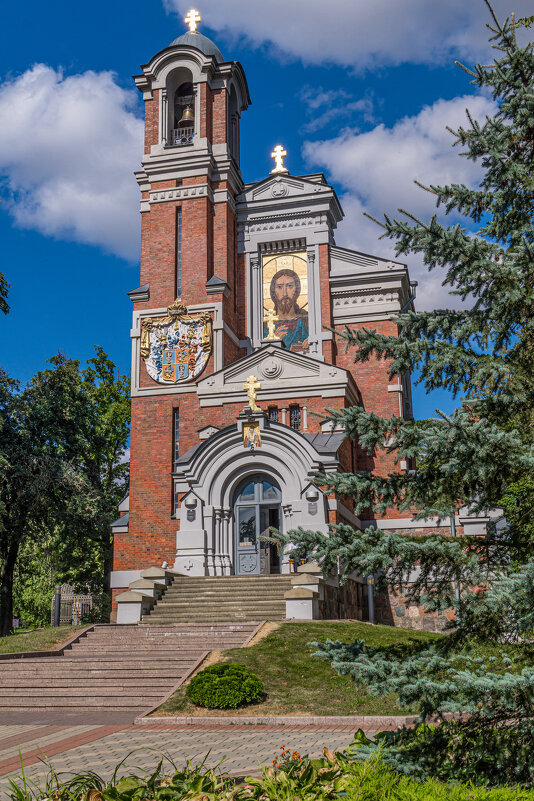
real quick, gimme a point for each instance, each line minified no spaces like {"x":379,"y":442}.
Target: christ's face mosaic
{"x":285,"y":300}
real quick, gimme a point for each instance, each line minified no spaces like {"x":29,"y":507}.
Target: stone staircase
{"x":221,"y":599}
{"x":110,"y":670}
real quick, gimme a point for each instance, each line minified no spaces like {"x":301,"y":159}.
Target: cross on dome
{"x":192,"y":18}
{"x":278,"y":155}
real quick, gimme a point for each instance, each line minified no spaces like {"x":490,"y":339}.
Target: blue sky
{"x":360,"y":91}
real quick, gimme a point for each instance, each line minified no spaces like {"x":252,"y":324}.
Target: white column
{"x":217,"y":556}
{"x":314,"y":308}
{"x":304,"y":418}
{"x":287,"y":510}
{"x":256,"y":305}
{"x":164,"y":117}
{"x":284,"y":416}
{"x":228,"y":549}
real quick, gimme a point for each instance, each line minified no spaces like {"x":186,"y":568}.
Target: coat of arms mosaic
{"x":176,"y":348}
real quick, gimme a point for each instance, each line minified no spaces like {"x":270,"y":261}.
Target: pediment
{"x":283,"y":186}
{"x":281,"y":373}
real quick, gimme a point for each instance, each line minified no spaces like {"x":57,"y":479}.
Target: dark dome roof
{"x":201,"y":42}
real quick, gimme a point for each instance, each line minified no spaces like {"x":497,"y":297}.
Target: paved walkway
{"x":72,"y":749}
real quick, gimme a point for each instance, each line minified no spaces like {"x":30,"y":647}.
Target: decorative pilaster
{"x":227,"y":540}
{"x":164,"y":118}
{"x":314,"y":304}
{"x":256,"y":310}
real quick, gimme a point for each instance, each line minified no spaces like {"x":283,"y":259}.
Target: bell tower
{"x":190,"y":175}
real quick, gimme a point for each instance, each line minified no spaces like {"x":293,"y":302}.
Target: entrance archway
{"x":257,"y":507}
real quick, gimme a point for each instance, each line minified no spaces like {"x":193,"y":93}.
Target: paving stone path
{"x":71,"y":749}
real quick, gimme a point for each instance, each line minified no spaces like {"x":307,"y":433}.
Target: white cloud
{"x":377,"y":169}
{"x":68,"y":147}
{"x":326,"y":105}
{"x":356,"y":33}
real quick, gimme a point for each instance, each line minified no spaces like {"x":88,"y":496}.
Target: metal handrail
{"x":182,"y":136}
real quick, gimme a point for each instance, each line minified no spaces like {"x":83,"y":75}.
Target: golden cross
{"x":271,"y":318}
{"x":191,"y":19}
{"x":252,"y":384}
{"x":278,"y":155}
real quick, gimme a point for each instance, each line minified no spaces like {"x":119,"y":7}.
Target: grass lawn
{"x":297,"y":684}
{"x":38,"y":640}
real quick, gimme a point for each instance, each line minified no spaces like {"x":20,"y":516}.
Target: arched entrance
{"x":256,"y":509}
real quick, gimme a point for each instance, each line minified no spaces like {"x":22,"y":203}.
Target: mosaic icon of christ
{"x":291,"y":325}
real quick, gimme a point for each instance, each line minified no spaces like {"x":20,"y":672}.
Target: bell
{"x":187,"y":117}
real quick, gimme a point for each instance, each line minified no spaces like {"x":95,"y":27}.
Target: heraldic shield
{"x":176,"y":348}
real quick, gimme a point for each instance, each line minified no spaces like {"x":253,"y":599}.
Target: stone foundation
{"x":395,"y":610}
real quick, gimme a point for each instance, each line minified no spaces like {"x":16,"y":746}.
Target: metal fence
{"x":74,"y":607}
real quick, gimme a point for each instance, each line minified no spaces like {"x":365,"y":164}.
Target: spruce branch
{"x":370,"y":216}
{"x":466,"y":69}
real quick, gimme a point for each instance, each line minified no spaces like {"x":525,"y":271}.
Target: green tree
{"x":62,"y":441}
{"x":481,"y":454}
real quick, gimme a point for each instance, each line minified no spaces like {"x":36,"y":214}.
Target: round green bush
{"x":225,"y":687}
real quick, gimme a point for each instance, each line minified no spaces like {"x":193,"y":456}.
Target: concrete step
{"x":172,"y":657}
{"x":202,"y":619}
{"x":254,"y":589}
{"x":135,"y":669}
{"x":229,"y":597}
{"x":87,"y":676}
{"x":231,"y":579}
{"x":184,"y":641}
{"x":246,"y":603}
{"x":177,"y":652}
{"x":65,"y":713}
{"x":67,"y":681}
{"x":66,"y":703}
{"x":254,"y":611}
{"x":133,"y":630}
{"x":137,"y":636}
{"x":81,"y":692}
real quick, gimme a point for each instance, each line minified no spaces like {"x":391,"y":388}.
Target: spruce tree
{"x":478,"y":455}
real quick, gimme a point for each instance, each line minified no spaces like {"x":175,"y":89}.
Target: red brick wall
{"x":158,"y":253}
{"x":151,"y":120}
{"x":219,"y":116}
{"x":326,"y":301}
{"x":373,"y":379}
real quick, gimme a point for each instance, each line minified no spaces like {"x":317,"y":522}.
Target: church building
{"x":234,"y":360}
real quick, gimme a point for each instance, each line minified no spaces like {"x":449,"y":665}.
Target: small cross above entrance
{"x":250,"y":387}
{"x":192,"y":18}
{"x":278,"y":155}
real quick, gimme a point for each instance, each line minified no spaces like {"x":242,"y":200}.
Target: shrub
{"x":328,"y":779}
{"x":225,"y":687}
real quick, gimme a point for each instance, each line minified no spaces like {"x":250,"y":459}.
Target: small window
{"x":176,"y":436}
{"x":294,"y":417}
{"x":272,"y":413}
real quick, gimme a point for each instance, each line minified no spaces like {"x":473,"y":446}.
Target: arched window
{"x":184,"y":115}
{"x":256,"y":509}
{"x":179,"y":107}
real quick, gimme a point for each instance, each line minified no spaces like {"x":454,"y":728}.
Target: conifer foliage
{"x":474,"y":456}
